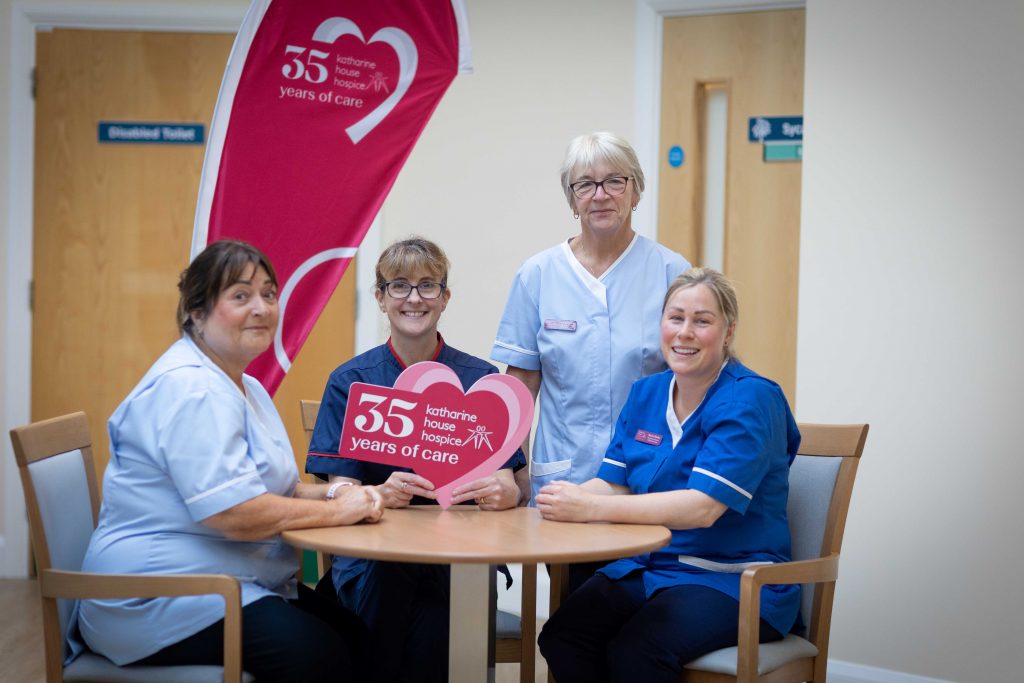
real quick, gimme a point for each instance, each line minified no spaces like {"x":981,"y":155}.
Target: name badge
{"x":564,"y":325}
{"x":643,"y":436}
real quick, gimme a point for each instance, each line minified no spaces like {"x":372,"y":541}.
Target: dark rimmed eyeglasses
{"x":614,"y":186}
{"x":400,"y":289}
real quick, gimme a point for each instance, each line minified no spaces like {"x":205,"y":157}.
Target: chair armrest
{"x":56,"y":583}
{"x":819,"y":570}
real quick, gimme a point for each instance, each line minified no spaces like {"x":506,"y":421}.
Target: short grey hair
{"x":587,"y":150}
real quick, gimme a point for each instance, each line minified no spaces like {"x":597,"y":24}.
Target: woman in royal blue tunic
{"x":703,"y":448}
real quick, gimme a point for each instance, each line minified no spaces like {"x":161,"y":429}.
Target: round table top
{"x":465,"y":534}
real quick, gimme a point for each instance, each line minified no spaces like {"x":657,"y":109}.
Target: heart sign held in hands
{"x":427,"y":424}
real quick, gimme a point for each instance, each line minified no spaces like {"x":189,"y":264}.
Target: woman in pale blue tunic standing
{"x":582,"y":319}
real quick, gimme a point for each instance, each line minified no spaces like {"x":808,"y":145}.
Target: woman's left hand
{"x":497,"y":492}
{"x":563,"y":501}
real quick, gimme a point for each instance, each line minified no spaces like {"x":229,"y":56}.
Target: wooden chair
{"x":821,"y":482}
{"x":515,"y":638}
{"x":55,"y":462}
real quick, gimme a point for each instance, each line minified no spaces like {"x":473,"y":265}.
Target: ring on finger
{"x":405,"y":485}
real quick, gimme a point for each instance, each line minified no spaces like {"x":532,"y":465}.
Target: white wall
{"x":911,"y":319}
{"x":483,"y":179}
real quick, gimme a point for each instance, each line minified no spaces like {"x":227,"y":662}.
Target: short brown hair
{"x":219,"y":266}
{"x":409,"y":255}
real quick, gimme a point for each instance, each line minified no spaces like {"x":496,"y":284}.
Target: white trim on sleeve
{"x":517,"y":349}
{"x":221,"y":487}
{"x":614,"y":462}
{"x":725,"y":481}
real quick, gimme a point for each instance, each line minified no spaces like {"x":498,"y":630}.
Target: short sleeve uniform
{"x":185,"y":444}
{"x":737,"y":448}
{"x":591,"y":338}
{"x":377,"y":366}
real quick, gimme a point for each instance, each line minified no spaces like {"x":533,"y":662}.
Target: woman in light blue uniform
{"x":202,"y":479}
{"x":581,"y":322}
{"x":703,"y":448}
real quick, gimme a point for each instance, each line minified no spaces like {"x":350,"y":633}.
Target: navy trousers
{"x":310,"y":639}
{"x":405,"y":606}
{"x":609,"y":631}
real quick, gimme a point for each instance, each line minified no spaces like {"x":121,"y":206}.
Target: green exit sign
{"x":783,"y":151}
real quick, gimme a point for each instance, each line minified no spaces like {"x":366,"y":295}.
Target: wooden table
{"x":471,"y":541}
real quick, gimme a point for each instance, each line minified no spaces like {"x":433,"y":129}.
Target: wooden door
{"x":113,"y":223}
{"x":757,"y":60}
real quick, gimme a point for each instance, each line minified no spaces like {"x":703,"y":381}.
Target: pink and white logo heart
{"x":426,"y":423}
{"x":408,"y":58}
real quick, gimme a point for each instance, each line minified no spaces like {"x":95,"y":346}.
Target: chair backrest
{"x":309,"y":411}
{"x":820,"y":487}
{"x":59,"y":480}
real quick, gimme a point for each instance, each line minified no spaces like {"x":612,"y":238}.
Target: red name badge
{"x":427,"y":424}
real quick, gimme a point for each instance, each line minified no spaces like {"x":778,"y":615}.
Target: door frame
{"x":649,"y":29}
{"x":26,"y":20}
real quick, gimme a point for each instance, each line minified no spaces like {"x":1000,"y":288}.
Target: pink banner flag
{"x":321,"y":104}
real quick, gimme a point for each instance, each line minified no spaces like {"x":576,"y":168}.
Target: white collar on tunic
{"x":217,"y":370}
{"x":254,"y":406}
{"x":675,"y":426}
{"x":594,"y":284}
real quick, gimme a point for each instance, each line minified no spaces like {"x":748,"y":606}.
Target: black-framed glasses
{"x":400,"y":289}
{"x":614,"y":186}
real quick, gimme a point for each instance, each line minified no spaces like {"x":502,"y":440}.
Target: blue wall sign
{"x":775,"y":128}
{"x":152,"y":133}
{"x":675,"y":156}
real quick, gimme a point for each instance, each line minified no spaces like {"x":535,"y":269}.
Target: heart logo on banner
{"x":408,"y":58}
{"x":428,"y":377}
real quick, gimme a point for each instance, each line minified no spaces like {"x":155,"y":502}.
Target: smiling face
{"x":694,"y":334}
{"x":242,"y":322}
{"x":413,"y":318}
{"x":603,"y":213}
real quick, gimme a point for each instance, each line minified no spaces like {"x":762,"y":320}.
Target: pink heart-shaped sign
{"x":427,"y":424}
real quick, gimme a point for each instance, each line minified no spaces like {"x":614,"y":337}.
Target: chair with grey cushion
{"x":820,"y":486}
{"x":57,"y":473}
{"x":515,"y":638}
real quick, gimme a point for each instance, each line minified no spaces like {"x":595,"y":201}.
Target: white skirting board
{"x":848,"y":672}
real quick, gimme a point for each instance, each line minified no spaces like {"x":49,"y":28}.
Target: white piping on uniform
{"x":218,"y":489}
{"x":725,"y":567}
{"x":723,"y":480}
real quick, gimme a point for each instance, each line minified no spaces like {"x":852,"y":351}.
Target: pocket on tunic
{"x":540,"y":470}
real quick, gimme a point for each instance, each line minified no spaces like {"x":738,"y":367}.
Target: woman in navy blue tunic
{"x":703,"y":448}
{"x":404,"y":605}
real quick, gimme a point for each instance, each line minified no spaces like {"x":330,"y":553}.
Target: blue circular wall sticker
{"x":675,"y":156}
